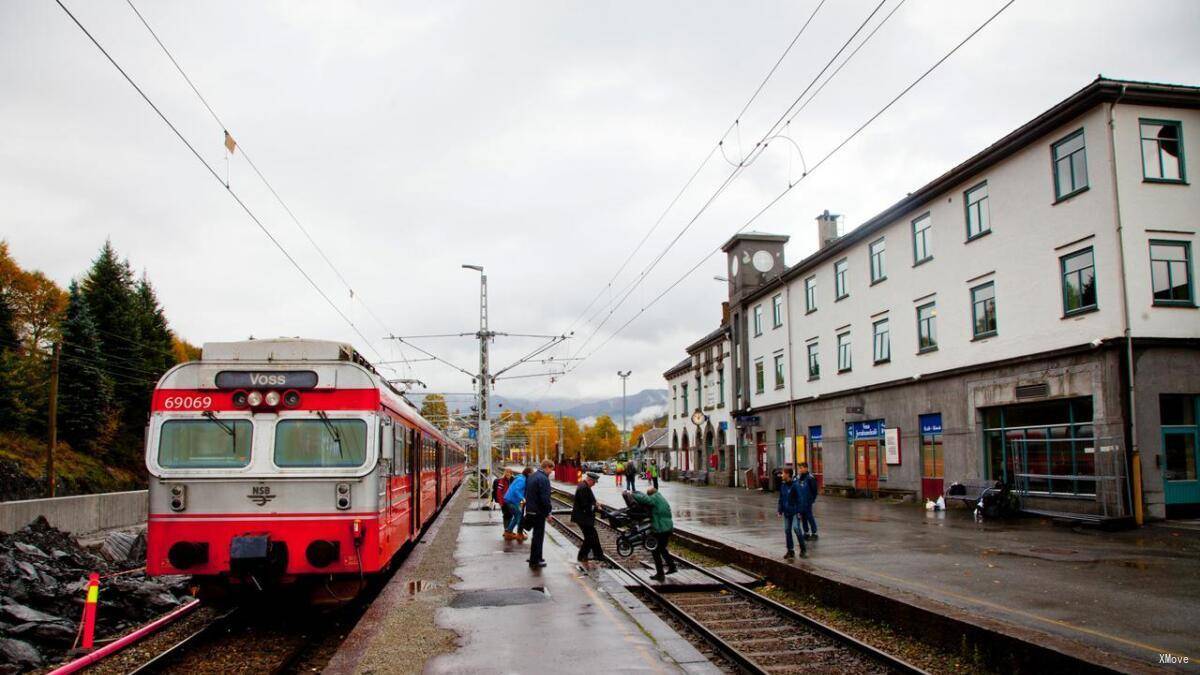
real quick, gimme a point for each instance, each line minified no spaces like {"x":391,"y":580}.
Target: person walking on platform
{"x":792,"y":498}
{"x":663,"y":526}
{"x":654,"y":473}
{"x":537,"y":510}
{"x":499,"y":487}
{"x":631,"y":474}
{"x":514,"y":499}
{"x":808,"y":484}
{"x":583,"y":514}
{"x":619,"y":472}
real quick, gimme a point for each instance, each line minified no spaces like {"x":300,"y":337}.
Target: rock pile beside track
{"x":43,"y":582}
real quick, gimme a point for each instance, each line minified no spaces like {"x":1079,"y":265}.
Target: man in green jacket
{"x":660,"y":522}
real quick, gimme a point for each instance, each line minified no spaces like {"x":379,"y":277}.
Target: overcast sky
{"x":541,"y":140}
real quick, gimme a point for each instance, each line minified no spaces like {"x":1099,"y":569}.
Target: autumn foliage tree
{"x":601,"y":440}
{"x":433,"y":408}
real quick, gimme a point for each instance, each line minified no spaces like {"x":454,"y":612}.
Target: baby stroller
{"x":633,"y":526}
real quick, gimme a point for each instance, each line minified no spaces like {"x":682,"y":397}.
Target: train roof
{"x":279,"y":349}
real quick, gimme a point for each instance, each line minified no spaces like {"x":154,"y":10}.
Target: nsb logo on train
{"x":274,"y":461}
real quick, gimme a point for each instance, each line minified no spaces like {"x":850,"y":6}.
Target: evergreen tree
{"x":108,"y":291}
{"x":85,"y":390}
{"x":155,"y":344}
{"x":9,"y":382}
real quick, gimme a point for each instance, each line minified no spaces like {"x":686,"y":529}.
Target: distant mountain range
{"x":645,"y":404}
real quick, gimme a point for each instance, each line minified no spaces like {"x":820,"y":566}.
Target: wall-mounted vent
{"x":1033,"y":390}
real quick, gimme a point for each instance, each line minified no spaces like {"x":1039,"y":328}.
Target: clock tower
{"x":753,"y":258}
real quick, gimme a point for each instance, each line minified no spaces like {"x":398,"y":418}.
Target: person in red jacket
{"x":499,"y":487}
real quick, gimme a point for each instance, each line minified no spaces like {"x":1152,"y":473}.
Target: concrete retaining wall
{"x":79,"y":514}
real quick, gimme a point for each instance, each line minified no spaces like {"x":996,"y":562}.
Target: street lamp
{"x":624,"y":376}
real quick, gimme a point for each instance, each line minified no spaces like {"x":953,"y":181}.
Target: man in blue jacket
{"x":537,"y":510}
{"x":514,"y":498}
{"x":808,"y":484}
{"x":793,"y":500}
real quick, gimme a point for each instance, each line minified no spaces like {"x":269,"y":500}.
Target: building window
{"x":932,"y":464}
{"x":781,"y":457}
{"x":759,"y":378}
{"x":979,"y":219}
{"x":927,"y":328}
{"x":882,"y":342}
{"x":758,"y":320}
{"x":844,"y":362}
{"x":878,"y":269}
{"x":686,"y":408}
{"x":814,"y":362}
{"x":1162,"y":151}
{"x":839,"y":278}
{"x":983,"y":310}
{"x":1180,"y":441}
{"x":720,"y":387}
{"x":1070,"y":166}
{"x":1042,"y":447}
{"x":810,"y":294}
{"x":779,"y":371}
{"x":674,"y":400}
{"x":1171,"y":273}
{"x":922,"y":239}
{"x":777,"y":311}
{"x":1078,"y":282}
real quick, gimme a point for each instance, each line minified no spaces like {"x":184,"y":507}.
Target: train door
{"x":386,"y":468}
{"x":414,"y":481}
{"x":760,"y":447}
{"x":439,"y":460}
{"x":400,"y":502}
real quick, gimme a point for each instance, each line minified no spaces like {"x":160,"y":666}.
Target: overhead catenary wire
{"x":320,"y":291}
{"x":271,"y":188}
{"x":758,"y":149}
{"x":791,"y":186}
{"x":735,"y":124}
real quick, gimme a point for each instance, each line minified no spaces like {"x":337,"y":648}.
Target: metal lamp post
{"x":624,"y":439}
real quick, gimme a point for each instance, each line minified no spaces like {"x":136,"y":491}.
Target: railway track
{"x":753,"y":633}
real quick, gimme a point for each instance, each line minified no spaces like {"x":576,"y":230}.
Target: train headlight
{"x":239,"y":399}
{"x":342,"y":496}
{"x":272,"y":398}
{"x":291,"y":398}
{"x":254,"y":399}
{"x":178,"y":497}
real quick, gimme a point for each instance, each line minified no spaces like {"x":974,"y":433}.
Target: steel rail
{"x":879,"y":656}
{"x":158,"y":661}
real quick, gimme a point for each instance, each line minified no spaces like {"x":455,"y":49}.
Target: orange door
{"x":760,"y":446}
{"x":866,"y":459}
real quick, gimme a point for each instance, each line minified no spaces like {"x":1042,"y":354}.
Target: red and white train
{"x":272,"y":461}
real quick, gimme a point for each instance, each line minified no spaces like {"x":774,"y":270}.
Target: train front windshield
{"x":319,"y":443}
{"x":204,"y":444}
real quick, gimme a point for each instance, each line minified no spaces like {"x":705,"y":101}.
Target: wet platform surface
{"x":513,"y":619}
{"x":1136,"y":593}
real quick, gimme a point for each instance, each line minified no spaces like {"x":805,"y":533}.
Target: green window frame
{"x":1162,"y":151}
{"x":922,"y":236}
{"x":720,"y":387}
{"x":927,"y":328}
{"x":777,"y":310}
{"x":686,"y":408}
{"x":840,"y":270}
{"x":810,"y":294}
{"x":978,"y":214}
{"x":983,"y":310}
{"x":1171,"y":273}
{"x":814,"y":362}
{"x":779,"y":371}
{"x":845,"y":358}
{"x":881,"y":341}
{"x":760,"y":379}
{"x":878,"y":252}
{"x":1079,"y":292}
{"x":1068,"y":163}
{"x":758,"y":316}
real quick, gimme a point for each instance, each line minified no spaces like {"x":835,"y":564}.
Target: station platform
{"x":501,"y":616}
{"x":1133,"y":593}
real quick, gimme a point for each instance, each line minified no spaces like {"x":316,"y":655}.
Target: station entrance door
{"x":760,"y":448}
{"x":866,"y":459}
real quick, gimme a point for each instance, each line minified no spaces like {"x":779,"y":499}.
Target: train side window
{"x":398,"y":432}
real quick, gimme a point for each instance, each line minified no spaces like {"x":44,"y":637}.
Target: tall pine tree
{"x":108,"y":291}
{"x":85,"y":390}
{"x":155,"y":343}
{"x":9,"y":382}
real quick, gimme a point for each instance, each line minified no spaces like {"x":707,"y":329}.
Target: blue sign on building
{"x":869,"y":429}
{"x":471,"y":433}
{"x":931,"y":424}
{"x":814,"y":434}
{"x":723,"y":426}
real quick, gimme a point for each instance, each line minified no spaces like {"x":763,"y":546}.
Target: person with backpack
{"x":514,"y":497}
{"x":499,"y":488}
{"x":792,"y":500}
{"x":809,"y":484}
{"x":631,"y":474}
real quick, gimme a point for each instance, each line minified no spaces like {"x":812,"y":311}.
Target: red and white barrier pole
{"x":89,"y":611}
{"x":121,"y":643}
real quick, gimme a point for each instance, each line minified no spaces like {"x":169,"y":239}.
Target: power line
{"x":789,"y":188}
{"x":700,"y":167}
{"x":758,"y":150}
{"x":217,"y":177}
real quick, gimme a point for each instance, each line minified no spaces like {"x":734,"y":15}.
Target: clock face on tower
{"x":733,"y":266}
{"x":763,"y":261}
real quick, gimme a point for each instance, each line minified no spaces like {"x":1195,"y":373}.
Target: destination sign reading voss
{"x":256,"y":379}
